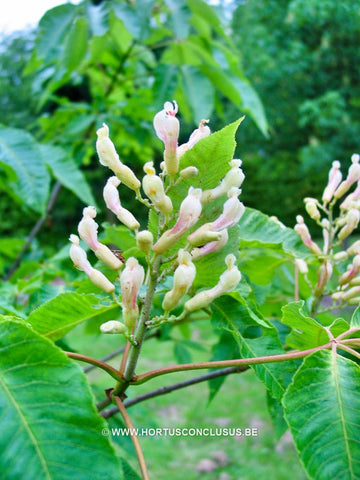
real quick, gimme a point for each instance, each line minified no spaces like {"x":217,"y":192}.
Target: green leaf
{"x":276,"y":412}
{"x":19,"y":150}
{"x":136,"y":18}
{"x":260,"y":264}
{"x":49,"y":424}
{"x":59,"y":315}
{"x":179,"y":19}
{"x":199,"y":91}
{"x":128,"y":471}
{"x":54,"y":27}
{"x":306,"y":331}
{"x":166,"y":79}
{"x":76,"y":44}
{"x":322,"y":408}
{"x":181,"y":353}
{"x":259,"y":230}
{"x":355,"y":319}
{"x":67,"y":173}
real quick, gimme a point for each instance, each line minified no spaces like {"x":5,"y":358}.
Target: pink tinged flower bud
{"x":354,"y":249}
{"x":354,"y":301}
{"x":189,"y":172}
{"x":78,"y":256}
{"x":113,"y":327}
{"x":131,"y":279}
{"x":302,"y":266}
{"x":201,"y":132}
{"x":335,"y":177}
{"x":189,"y":214}
{"x":326,"y":228}
{"x":352,"y":220}
{"x":109,"y":158}
{"x":183,"y":279}
{"x":233,"y":178}
{"x":154,"y":189}
{"x":144,"y":241}
{"x":112,"y":201}
{"x":351,"y":272}
{"x":167,"y":129}
{"x":211,"y":247}
{"x":352,"y":177}
{"x":228,"y":281}
{"x":87,"y":229}
{"x":203,"y":234}
{"x":312,"y":209}
{"x":233,"y":210}
{"x":324,"y":274}
{"x":302,"y":230}
{"x":351,"y":198}
{"x":355,"y":281}
{"x":337,"y":296}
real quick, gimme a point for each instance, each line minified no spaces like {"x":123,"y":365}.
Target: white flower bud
{"x":351,"y":293}
{"x":203,"y":234}
{"x":312,"y":210}
{"x":88,"y":233}
{"x":302,"y":230}
{"x":355,"y":281}
{"x":352,"y":177}
{"x":211,"y":247}
{"x":335,"y":177}
{"x":189,"y":214}
{"x":109,"y":157}
{"x":112,"y":201}
{"x":78,"y":256}
{"x":337,"y":296}
{"x":354,"y":301}
{"x":233,"y":210}
{"x":144,"y":241}
{"x":233,"y":178}
{"x":354,"y":249}
{"x":88,"y":228}
{"x":341,"y":256}
{"x":352,"y":220}
{"x":189,"y":172}
{"x":131,"y":279}
{"x":154,"y":189}
{"x":183,"y":279}
{"x":113,"y":327}
{"x":302,"y":266}
{"x":201,"y":132}
{"x":228,"y":281}
{"x":167,"y":129}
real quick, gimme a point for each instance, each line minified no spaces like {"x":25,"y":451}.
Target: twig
{"x":105,"y":359}
{"x":138,"y":379}
{"x":50,"y":205}
{"x":134,"y":438}
{"x":349,"y":350}
{"x":97,"y":363}
{"x":171,"y":388}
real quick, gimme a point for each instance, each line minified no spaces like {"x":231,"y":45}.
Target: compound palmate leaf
{"x":55,"y":318}
{"x":50,"y":429}
{"x":322,"y":408}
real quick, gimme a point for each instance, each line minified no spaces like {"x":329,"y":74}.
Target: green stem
{"x":138,"y":379}
{"x":97,"y":363}
{"x":139,"y":332}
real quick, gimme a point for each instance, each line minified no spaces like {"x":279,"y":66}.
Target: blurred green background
{"x":291,"y":66}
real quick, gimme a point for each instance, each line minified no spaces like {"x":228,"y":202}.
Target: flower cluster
{"x":338,"y":196}
{"x":175,"y":226}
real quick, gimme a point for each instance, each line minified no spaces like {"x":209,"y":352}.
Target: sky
{"x":18,"y":14}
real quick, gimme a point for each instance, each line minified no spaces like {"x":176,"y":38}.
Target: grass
{"x":241,"y":403}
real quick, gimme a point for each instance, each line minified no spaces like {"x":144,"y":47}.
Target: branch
{"x":134,"y":438}
{"x":97,"y":363}
{"x":171,"y":388}
{"x":138,"y":379}
{"x":50,"y":205}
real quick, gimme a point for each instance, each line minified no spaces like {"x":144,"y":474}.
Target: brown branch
{"x":171,"y":388}
{"x":97,"y":363}
{"x":37,"y":227}
{"x":134,"y":438}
